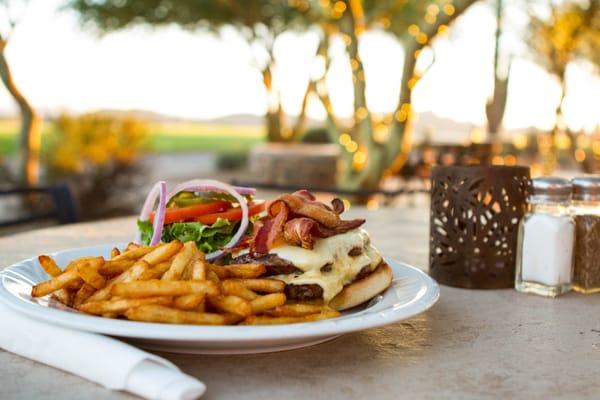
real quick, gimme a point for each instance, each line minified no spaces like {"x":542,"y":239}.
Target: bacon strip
{"x":271,"y":229}
{"x":301,"y":219}
{"x":304,"y":231}
{"x":300,"y":204}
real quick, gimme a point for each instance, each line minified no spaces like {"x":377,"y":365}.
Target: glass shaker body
{"x":545,"y":249}
{"x":586,"y":269}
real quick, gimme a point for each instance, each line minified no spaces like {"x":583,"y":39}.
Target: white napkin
{"x":98,"y":358}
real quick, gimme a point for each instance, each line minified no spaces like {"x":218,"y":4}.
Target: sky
{"x":197,"y":75}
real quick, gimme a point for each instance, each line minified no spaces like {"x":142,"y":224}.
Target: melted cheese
{"x":333,"y":251}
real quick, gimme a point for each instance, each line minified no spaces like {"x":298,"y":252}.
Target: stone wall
{"x":308,"y":165}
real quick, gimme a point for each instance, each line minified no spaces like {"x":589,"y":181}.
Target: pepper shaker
{"x":546,"y":240}
{"x":585,"y":208}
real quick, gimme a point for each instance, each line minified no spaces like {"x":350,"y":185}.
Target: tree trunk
{"x":551,"y":161}
{"x":496,"y":106}
{"x":30,"y":135}
{"x":274,"y":115}
{"x":400,"y":141}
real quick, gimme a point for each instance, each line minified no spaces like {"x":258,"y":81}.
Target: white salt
{"x":547,"y":249}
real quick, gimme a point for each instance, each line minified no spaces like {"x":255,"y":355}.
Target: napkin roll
{"x":97,"y":358}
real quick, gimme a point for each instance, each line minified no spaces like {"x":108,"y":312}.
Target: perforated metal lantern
{"x":475,"y":215}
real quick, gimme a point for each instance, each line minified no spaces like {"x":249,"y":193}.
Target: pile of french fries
{"x":173,"y":283}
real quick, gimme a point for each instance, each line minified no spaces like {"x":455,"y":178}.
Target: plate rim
{"x":200,"y":333}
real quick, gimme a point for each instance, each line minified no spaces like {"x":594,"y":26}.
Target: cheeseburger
{"x":321,"y":257}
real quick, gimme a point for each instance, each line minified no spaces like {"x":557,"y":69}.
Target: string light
{"x":417,"y":54}
{"x":510,"y":160}
{"x":596,"y":148}
{"x":381,"y":133}
{"x":422,"y":38}
{"x":324,"y":3}
{"x":354,"y":64}
{"x":563,"y":142}
{"x":413,"y":30}
{"x":402,"y":114}
{"x":579,"y":155}
{"x":449,"y":9}
{"x":385,"y":22}
{"x":520,"y":141}
{"x":352,"y":146}
{"x":339,"y":7}
{"x":345,"y":139}
{"x":442,"y":30}
{"x":359,"y":160}
{"x":433,"y":9}
{"x":412,"y":82}
{"x":430,"y":18}
{"x":372,"y":204}
{"x":497,"y":160}
{"x":361,"y":113}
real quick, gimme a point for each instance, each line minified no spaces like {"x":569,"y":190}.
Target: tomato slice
{"x":233,"y":214}
{"x":174,"y":214}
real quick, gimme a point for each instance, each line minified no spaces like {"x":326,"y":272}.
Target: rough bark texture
{"x":30,"y":134}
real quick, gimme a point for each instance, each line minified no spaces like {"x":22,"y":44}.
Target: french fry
{"x":155,"y":313}
{"x":181,"y":261}
{"x":263,"y":285}
{"x":231,"y":319}
{"x":132,"y":274}
{"x":121,"y":305}
{"x":90,"y":275}
{"x":155,"y":287}
{"x":134,"y":253}
{"x":157,"y":271}
{"x":84,"y":293}
{"x":114,"y":267}
{"x":189,"y":301}
{"x":199,"y":269}
{"x":114,"y":252}
{"x":54,"y":284}
{"x":246,"y":270}
{"x":298,"y":310}
{"x":163,"y":252}
{"x":235,"y":288}
{"x":231,"y":304}
{"x":49,"y":265}
{"x":212,"y":276}
{"x":132,"y":246}
{"x":63,"y":296}
{"x":267,"y":302}
{"x":187,"y":272}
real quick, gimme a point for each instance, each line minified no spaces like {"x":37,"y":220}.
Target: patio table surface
{"x":471,"y":344}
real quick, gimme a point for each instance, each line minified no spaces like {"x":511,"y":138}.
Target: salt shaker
{"x":585,"y":208}
{"x":546,"y":240}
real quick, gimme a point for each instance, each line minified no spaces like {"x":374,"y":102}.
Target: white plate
{"x":411,"y":293}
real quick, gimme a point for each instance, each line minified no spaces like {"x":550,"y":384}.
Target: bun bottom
{"x":363,"y":290}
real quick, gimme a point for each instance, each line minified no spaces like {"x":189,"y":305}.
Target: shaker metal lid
{"x":586,"y":188}
{"x":552,"y":188}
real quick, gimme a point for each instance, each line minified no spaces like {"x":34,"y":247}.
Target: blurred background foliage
{"x":98,"y":154}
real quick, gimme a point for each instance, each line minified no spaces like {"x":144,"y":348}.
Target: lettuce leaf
{"x":208,"y":238}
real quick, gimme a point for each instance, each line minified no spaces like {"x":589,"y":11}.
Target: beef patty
{"x":276,"y":265}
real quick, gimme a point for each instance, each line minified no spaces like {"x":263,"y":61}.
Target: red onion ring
{"x":158,"y":190}
{"x":201,"y":185}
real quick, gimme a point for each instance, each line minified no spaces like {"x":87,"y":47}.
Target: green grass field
{"x":163,"y":138}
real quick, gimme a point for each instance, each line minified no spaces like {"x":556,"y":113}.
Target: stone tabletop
{"x":472,"y":344}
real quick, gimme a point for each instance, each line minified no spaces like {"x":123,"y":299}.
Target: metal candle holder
{"x":475,"y":215}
